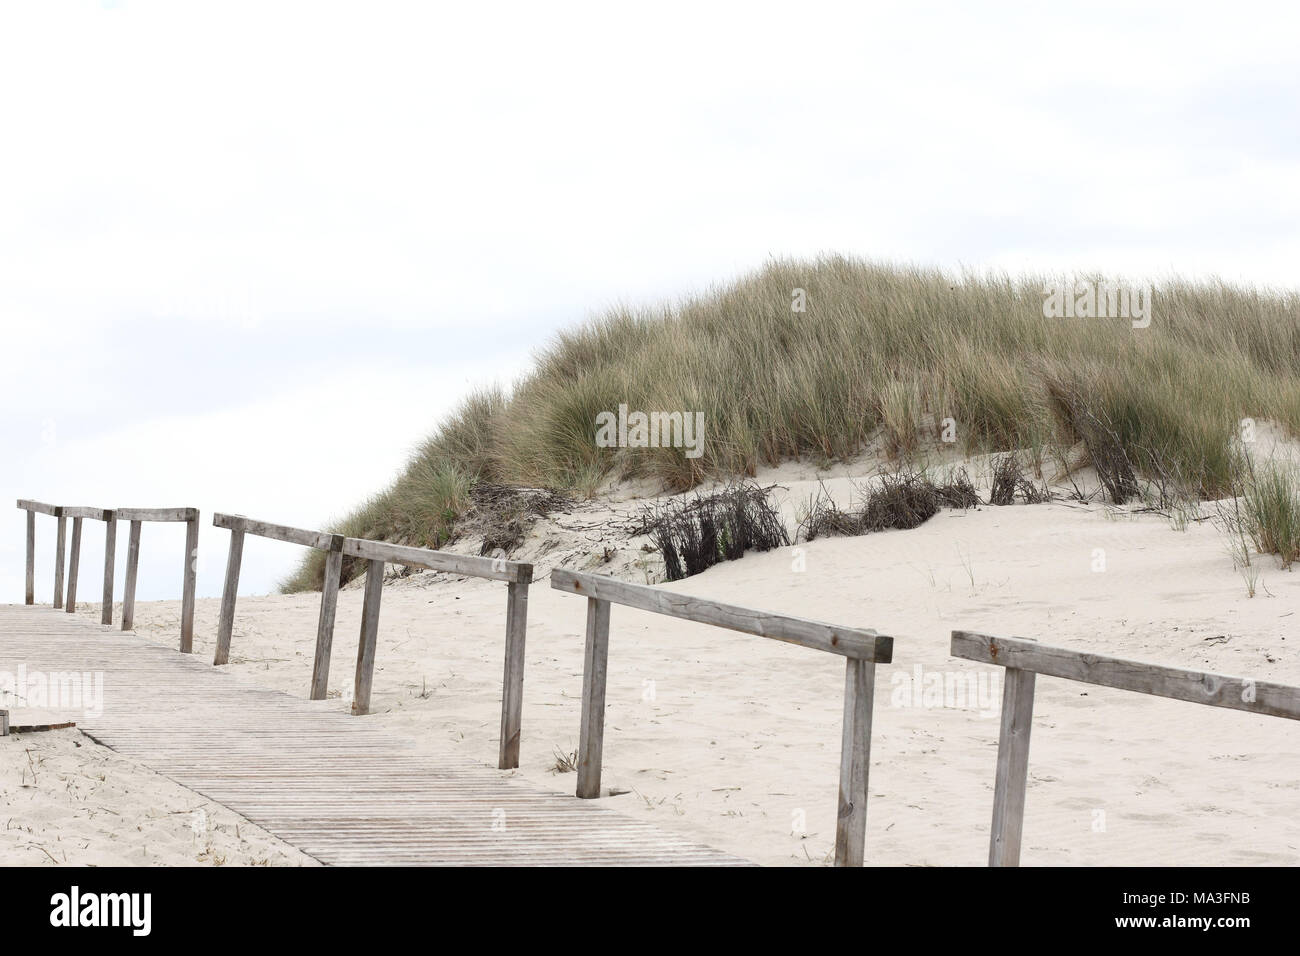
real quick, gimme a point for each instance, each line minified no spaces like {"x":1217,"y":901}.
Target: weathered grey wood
{"x":4,"y":723}
{"x":157,"y":514}
{"x":31,"y":556}
{"x":74,"y":565}
{"x":1013,"y":768}
{"x":512,"y":684}
{"x":81,"y":511}
{"x":226,"y":619}
{"x":329,"y":601}
{"x":855,"y":763}
{"x":369,"y":637}
{"x":59,"y":544}
{"x":494,"y":569}
{"x":595,"y":664}
{"x":132,"y":570}
{"x":189,"y":580}
{"x":320,"y":540}
{"x":849,"y":642}
{"x":1217,"y":690}
{"x":39,"y":507}
{"x":110,"y":556}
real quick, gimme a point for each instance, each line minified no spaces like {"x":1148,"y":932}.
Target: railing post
{"x":855,"y":762}
{"x":110,"y":556}
{"x":132,"y":570}
{"x":512,"y":684}
{"x":226,"y":621}
{"x":74,"y":565}
{"x":1013,"y":767}
{"x":592,"y":732}
{"x":369,"y":636}
{"x":58,"y":557}
{"x":188,"y":582}
{"x":329,"y":602}
{"x":31,"y":557}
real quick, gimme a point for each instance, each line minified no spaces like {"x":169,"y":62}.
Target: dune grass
{"x":881,"y":352}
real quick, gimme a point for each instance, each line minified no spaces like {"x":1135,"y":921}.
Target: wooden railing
{"x":863,"y":648}
{"x":1023,"y":659}
{"x":137,"y":517}
{"x":110,"y":517}
{"x":78,"y":513}
{"x":34,"y":508}
{"x":331,"y":544}
{"x":517,"y":577}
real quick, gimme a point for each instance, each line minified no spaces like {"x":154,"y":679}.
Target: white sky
{"x":250,"y":253}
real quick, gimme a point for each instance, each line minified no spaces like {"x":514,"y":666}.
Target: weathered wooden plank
{"x":595,"y":664}
{"x":40,"y":507}
{"x":320,"y":540}
{"x":855,"y":763}
{"x":494,"y":569}
{"x":132,"y":571}
{"x":329,"y":601}
{"x":81,"y":511}
{"x":1013,"y":768}
{"x":1216,"y":690}
{"x":846,"y":641}
{"x":369,"y":637}
{"x":226,"y":619}
{"x":59,"y":544}
{"x":74,"y":565}
{"x":189,"y":581}
{"x":110,"y":556}
{"x":31,"y":556}
{"x":512,"y":684}
{"x":157,"y":514}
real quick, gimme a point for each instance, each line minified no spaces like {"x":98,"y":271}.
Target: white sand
{"x":734,"y":740}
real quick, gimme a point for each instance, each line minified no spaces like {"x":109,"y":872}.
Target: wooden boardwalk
{"x":328,"y":783}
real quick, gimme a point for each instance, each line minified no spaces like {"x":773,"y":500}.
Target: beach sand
{"x":733,"y":740}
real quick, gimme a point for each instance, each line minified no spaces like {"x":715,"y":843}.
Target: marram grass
{"x":879,"y":351}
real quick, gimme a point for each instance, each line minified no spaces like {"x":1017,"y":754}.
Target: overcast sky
{"x":250,"y":253}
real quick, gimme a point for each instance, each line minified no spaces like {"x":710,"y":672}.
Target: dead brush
{"x":1010,"y":482}
{"x":695,"y":534}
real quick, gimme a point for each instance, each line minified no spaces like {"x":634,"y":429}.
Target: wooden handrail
{"x":863,"y":649}
{"x":1025,"y":659}
{"x":494,"y":569}
{"x":332,"y":544}
{"x":110,"y":517}
{"x":516,"y":574}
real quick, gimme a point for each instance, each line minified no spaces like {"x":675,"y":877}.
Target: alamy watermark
{"x":651,"y":430}
{"x":1103,"y":300}
{"x":980,"y":691}
{"x":58,"y":690}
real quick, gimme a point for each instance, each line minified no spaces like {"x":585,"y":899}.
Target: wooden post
{"x":1013,"y":767}
{"x":58,"y":558}
{"x":189,"y":578}
{"x":855,"y":760}
{"x":329,"y":602}
{"x":592,"y":732}
{"x":512,"y":685}
{"x":74,"y":564}
{"x":31,"y":557}
{"x":369,"y":637}
{"x":132,"y":572}
{"x":226,"y":622}
{"x":110,"y":556}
